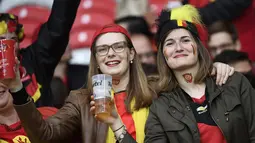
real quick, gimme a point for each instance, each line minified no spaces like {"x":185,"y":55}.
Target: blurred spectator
{"x":222,"y":36}
{"x":11,"y":130}
{"x":149,"y":69}
{"x":240,"y":12}
{"x":131,"y":7}
{"x":141,"y":37}
{"x":76,"y":76}
{"x":61,"y":69}
{"x":143,"y":47}
{"x":59,"y":92}
{"x":240,"y":61}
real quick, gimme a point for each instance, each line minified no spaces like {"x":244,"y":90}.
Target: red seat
{"x":91,"y":20}
{"x":30,"y":27}
{"x":158,"y":5}
{"x":106,"y":8}
{"x":81,"y":37}
{"x":31,"y":12}
{"x":26,"y":42}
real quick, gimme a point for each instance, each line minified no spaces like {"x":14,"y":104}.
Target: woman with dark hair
{"x":191,"y":108}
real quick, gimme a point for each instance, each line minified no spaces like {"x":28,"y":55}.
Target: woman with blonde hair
{"x":112,"y":53}
{"x":191,"y":108}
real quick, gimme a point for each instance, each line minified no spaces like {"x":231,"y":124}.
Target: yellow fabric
{"x":139,"y":118}
{"x":12,"y":16}
{"x":3,"y":27}
{"x":37,"y":94}
{"x":179,"y":23}
{"x":187,"y":13}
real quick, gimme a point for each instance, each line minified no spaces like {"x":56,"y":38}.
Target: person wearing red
{"x":15,"y":133}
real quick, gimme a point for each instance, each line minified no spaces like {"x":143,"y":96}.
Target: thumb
{"x":213,"y":71}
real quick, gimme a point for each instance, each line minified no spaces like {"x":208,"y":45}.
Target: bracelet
{"x":122,"y":135}
{"x":118,"y":128}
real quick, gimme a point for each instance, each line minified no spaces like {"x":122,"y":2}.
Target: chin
{"x":181,"y":66}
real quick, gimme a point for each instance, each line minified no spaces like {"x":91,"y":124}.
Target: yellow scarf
{"x":139,"y":118}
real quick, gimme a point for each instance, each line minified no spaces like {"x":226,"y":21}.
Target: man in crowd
{"x":240,"y":61}
{"x":222,"y":36}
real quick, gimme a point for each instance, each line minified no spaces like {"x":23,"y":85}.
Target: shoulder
{"x":162,"y":101}
{"x":79,"y":95}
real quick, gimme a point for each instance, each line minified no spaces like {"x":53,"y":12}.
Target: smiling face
{"x":180,"y":49}
{"x":114,"y":63}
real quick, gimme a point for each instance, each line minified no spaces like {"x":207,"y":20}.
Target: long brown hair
{"x":167,"y":80}
{"x":137,"y":88}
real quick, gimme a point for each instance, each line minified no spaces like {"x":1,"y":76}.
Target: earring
{"x":98,"y":67}
{"x":131,"y":61}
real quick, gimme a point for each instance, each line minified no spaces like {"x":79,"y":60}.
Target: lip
{"x":116,"y":62}
{"x":180,"y":55}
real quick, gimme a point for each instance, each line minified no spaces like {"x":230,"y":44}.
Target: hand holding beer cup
{"x":102,"y":104}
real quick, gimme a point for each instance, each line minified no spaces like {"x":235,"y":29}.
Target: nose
{"x":110,"y":52}
{"x":178,"y":47}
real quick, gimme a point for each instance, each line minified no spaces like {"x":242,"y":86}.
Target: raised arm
{"x":225,"y":10}
{"x":45,"y":53}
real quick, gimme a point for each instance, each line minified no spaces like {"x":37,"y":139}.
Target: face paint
{"x":188,"y":77}
{"x":164,"y":53}
{"x":194,"y":50}
{"x":115,"y":80}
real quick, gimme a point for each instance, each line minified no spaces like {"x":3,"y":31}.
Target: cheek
{"x":167,"y":52}
{"x":190,"y":48}
{"x":194,"y":50}
{"x":100,"y":60}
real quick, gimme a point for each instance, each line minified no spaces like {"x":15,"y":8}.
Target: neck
{"x":185,"y":78}
{"x":195,"y":90}
{"x":120,"y":83}
{"x":9,"y":117}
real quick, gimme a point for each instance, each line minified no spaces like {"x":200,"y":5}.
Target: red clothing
{"x":15,"y":133}
{"x":209,"y":133}
{"x":244,"y":25}
{"x":126,"y":117}
{"x":246,"y":29}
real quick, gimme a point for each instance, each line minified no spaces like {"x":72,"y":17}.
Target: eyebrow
{"x":180,"y":38}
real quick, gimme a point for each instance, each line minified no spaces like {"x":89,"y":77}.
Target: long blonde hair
{"x":137,"y":88}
